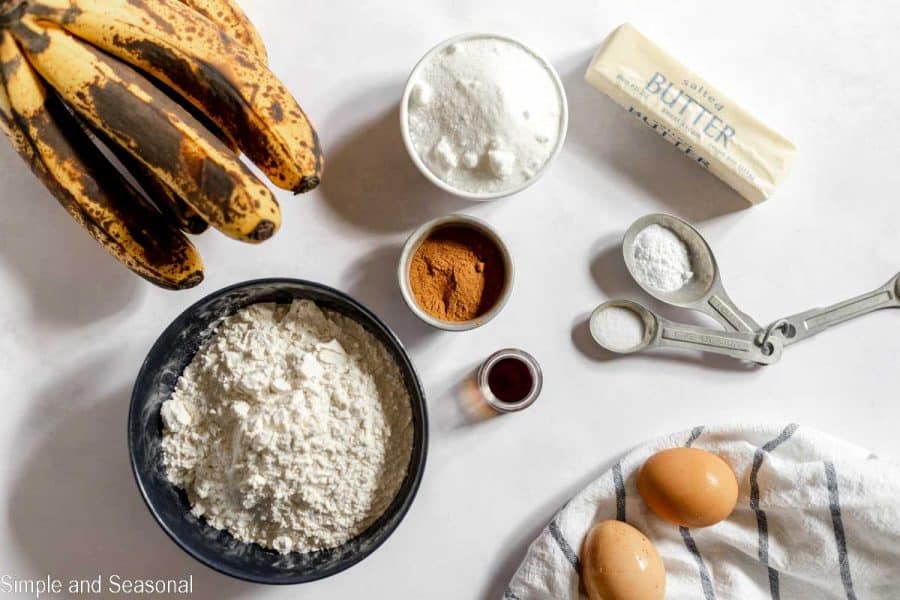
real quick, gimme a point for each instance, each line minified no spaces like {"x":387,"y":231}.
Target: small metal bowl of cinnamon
{"x":455,"y":273}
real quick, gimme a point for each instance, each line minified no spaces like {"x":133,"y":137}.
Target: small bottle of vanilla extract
{"x":510,"y":380}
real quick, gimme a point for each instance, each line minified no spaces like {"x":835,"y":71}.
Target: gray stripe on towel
{"x":570,"y":554}
{"x":762,"y":523}
{"x":620,"y":491}
{"x":705,"y":580}
{"x":696,"y":432}
{"x":834,"y":503}
{"x":708,"y":592}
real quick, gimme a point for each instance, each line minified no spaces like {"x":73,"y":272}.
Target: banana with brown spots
{"x":208,"y":68}
{"x":233,"y":21}
{"x":169,"y":203}
{"x":229,"y":16}
{"x":8,"y":125}
{"x":153,"y":129}
{"x":47,"y":137}
{"x":165,"y":198}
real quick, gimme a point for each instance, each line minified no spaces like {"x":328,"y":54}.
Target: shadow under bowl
{"x":169,"y":505}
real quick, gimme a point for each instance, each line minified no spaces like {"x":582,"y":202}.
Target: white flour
{"x":661,"y":259}
{"x":291,"y":428}
{"x":484,"y":115}
{"x":618,"y":328}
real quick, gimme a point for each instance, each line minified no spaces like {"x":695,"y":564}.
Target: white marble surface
{"x":74,"y":326}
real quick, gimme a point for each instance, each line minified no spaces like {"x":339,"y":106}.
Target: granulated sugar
{"x":618,"y":328}
{"x":661,"y":259}
{"x":485,"y":114}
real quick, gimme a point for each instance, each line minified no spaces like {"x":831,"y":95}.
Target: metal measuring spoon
{"x":803,"y":325}
{"x":660,"y":332}
{"x":704,"y":292}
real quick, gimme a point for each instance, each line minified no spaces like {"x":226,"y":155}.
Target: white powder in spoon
{"x":617,"y":328}
{"x":661,"y":259}
{"x":485,"y":114}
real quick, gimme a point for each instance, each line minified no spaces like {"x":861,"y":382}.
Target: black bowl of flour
{"x":217,"y":549}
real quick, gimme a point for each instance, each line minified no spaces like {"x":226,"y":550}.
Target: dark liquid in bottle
{"x":510,"y":380}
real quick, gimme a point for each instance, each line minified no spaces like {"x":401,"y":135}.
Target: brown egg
{"x":619,"y":563}
{"x":688,"y":487}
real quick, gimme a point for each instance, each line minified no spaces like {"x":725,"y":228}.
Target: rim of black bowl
{"x":417,"y":459}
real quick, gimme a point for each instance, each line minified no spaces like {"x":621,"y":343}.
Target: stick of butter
{"x":691,"y":114}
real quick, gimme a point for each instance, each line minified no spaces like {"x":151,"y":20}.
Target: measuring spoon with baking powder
{"x":625,"y":335}
{"x":704,"y":292}
{"x":803,"y":325}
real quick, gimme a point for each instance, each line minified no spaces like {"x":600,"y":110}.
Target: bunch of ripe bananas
{"x":167,"y":91}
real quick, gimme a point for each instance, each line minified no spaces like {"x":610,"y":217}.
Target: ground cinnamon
{"x":457,"y":274}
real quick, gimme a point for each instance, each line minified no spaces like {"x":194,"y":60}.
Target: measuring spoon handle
{"x":725,"y":311}
{"x":811,"y":322}
{"x":735,"y":344}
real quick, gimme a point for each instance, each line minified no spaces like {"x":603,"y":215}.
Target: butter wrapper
{"x":691,"y":114}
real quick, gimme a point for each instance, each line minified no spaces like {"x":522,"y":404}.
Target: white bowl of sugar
{"x":483,"y":115}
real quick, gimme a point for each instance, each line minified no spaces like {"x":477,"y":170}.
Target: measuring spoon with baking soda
{"x":626,"y":327}
{"x":704,"y":292}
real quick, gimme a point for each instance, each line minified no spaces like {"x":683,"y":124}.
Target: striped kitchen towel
{"x":816,"y":518}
